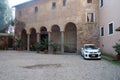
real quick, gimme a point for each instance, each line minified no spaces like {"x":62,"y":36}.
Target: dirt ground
{"x":23,"y":65}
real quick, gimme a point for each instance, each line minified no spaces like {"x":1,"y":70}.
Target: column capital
{"x":62,"y":31}
{"x":28,"y":33}
{"x":49,"y":31}
{"x":37,"y":32}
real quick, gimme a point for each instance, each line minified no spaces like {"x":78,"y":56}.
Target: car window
{"x":90,"y":47}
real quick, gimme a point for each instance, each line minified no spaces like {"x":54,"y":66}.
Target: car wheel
{"x":81,"y":54}
{"x":99,"y":59}
{"x":83,"y":57}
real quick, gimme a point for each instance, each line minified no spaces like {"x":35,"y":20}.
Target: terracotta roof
{"x":5,"y":34}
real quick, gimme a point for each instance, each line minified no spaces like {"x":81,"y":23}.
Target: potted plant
{"x":18,"y":44}
{"x":44,"y":45}
{"x":117,"y":49}
{"x":37,"y":46}
{"x":54,"y":47}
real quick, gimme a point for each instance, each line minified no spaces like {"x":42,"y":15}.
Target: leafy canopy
{"x":5,"y":15}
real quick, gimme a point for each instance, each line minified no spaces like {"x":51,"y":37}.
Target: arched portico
{"x":56,"y":35}
{"x":65,"y":38}
{"x":70,"y":37}
{"x":43,"y":33}
{"x":33,"y":37}
{"x":24,"y":39}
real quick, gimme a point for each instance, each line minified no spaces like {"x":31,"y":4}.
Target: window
{"x":53,"y":5}
{"x":90,"y":17}
{"x":100,"y":3}
{"x":89,"y":1}
{"x":102,"y":31}
{"x":64,"y":2}
{"x":36,"y":9}
{"x":110,"y":28}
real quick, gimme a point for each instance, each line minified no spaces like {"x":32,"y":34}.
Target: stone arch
{"x":70,"y":37}
{"x":43,"y":30}
{"x":24,"y":39}
{"x":33,"y":37}
{"x":70,"y":22}
{"x":43,"y":33}
{"x":56,"y":35}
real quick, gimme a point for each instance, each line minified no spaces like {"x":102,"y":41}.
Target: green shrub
{"x":37,"y":45}
{"x":117,"y":48}
{"x":54,"y":46}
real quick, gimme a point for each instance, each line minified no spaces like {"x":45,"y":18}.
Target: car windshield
{"x":90,"y":47}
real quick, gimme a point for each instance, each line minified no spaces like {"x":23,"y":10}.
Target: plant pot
{"x":37,"y":50}
{"x":18,"y":49}
{"x":118,"y":57}
{"x":46,"y":51}
{"x":54,"y":52}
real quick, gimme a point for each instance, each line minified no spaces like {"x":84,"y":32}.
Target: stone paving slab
{"x":23,"y":65}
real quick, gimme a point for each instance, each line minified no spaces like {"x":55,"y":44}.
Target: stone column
{"x":62,"y":42}
{"x":28,"y":42}
{"x":49,"y":39}
{"x":38,"y":37}
{"x":78,"y":43}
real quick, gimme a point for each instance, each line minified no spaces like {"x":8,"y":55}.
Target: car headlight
{"x":86,"y":51}
{"x":99,"y":51}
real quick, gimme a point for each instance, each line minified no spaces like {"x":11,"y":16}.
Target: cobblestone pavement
{"x":19,"y":65}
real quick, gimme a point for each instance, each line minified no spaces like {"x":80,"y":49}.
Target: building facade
{"x":69,"y":23}
{"x":109,"y":21}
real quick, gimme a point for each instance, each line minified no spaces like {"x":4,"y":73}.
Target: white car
{"x":90,"y":51}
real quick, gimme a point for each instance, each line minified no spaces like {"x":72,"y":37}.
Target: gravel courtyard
{"x":19,"y":65}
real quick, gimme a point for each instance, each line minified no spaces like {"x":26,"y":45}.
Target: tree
{"x":5,"y":15}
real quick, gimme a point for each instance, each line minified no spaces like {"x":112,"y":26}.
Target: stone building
{"x":69,"y":23}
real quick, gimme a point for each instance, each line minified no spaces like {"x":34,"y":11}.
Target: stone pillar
{"x":49,"y":39}
{"x":62,"y":42}
{"x":78,"y":43}
{"x":28,"y":42}
{"x":38,"y":37}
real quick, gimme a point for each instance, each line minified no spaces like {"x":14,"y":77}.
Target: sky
{"x":16,"y":2}
{"x":13,"y":3}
